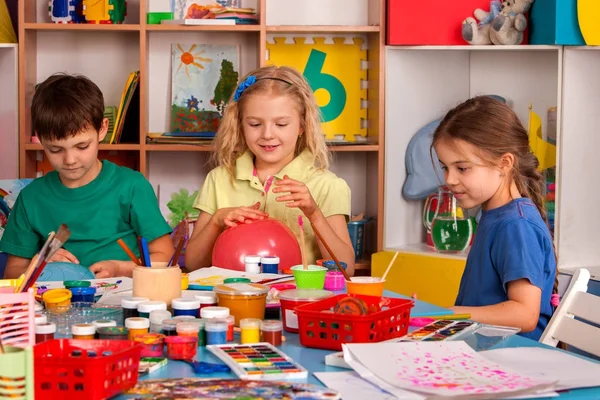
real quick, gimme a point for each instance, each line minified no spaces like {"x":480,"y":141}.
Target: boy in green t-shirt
{"x":98,"y":200}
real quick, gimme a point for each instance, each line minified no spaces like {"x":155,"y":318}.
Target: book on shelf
{"x":126,"y":126}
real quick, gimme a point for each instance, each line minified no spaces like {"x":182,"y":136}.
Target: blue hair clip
{"x":243,"y":86}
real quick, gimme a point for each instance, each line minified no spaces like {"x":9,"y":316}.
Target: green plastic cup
{"x":311,"y":278}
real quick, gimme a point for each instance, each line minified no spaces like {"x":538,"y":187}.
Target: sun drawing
{"x":188,"y":58}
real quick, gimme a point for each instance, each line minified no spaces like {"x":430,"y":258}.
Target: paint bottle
{"x":201,"y":331}
{"x":216,"y":331}
{"x":153,"y":344}
{"x":58,"y":301}
{"x":113,"y":333}
{"x":252,"y":264}
{"x":83,"y":294}
{"x":44,"y":331}
{"x":188,"y":329}
{"x":102,"y":323}
{"x":83,"y":331}
{"x":137,"y":326}
{"x":181,"y":347}
{"x":214,"y":312}
{"x":156,"y":319}
{"x":129,"y":306}
{"x":40,"y":318}
{"x":207,"y":299}
{"x":270,"y":264}
{"x":183,"y":306}
{"x":250,"y":330}
{"x":146,"y":307}
{"x":76,"y":284}
{"x":271,"y":332}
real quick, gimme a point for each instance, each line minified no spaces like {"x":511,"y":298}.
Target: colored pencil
{"x":128,"y":251}
{"x":178,"y":249}
{"x":450,"y":316}
{"x":337,"y":262}
{"x":146,"y":252}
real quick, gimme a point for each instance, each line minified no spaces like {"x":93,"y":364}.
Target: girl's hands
{"x":233,"y":216}
{"x":299,"y":196}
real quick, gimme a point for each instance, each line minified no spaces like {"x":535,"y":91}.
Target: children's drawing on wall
{"x":9,"y":191}
{"x":181,"y":206}
{"x":203,"y":79}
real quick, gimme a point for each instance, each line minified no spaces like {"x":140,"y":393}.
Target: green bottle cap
{"x":71,"y":284}
{"x":237,"y":280}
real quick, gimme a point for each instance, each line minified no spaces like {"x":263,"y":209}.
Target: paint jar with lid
{"x":83,"y":331}
{"x":169,"y":327}
{"x":289,"y":299}
{"x":269,"y":264}
{"x":156,"y":319}
{"x":75,"y":284}
{"x":207,"y":299}
{"x":86,"y":294}
{"x":153,"y":344}
{"x":129,"y":306}
{"x":214,"y":312}
{"x":237,"y":279}
{"x":44,"y":331}
{"x":271,"y":331}
{"x":334,"y":281}
{"x":101,"y":323}
{"x":216,"y":331}
{"x":244,"y":300}
{"x":38,"y":308}
{"x":181,"y":347}
{"x":146,"y":307}
{"x":250,"y":330}
{"x":113,"y":333}
{"x":58,"y":301}
{"x":252,"y":263}
{"x":40,"y":318}
{"x":188,"y":329}
{"x":137,"y":326}
{"x":183,"y":306}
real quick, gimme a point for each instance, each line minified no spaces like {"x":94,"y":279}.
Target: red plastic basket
{"x":69,"y":368}
{"x":321,"y":328}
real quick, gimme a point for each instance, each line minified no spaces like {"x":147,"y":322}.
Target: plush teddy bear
{"x":508,"y":26}
{"x":478,"y":33}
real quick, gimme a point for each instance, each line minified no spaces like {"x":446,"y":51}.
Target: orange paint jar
{"x":244,"y":300}
{"x":137,"y":326}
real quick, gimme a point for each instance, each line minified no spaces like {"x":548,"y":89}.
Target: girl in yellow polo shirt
{"x":272,"y":161}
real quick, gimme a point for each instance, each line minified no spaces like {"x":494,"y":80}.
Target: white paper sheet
{"x":352,"y":387}
{"x":439,"y":369}
{"x":570,"y":371}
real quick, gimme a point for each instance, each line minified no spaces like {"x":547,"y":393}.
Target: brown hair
{"x":276,"y":81}
{"x":64,"y":105}
{"x":494,"y":128}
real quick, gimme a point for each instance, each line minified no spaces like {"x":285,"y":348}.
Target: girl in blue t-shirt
{"x":510,"y":277}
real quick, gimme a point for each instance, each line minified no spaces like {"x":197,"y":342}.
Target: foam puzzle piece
{"x":336,"y":74}
{"x":61,"y":11}
{"x":97,"y":11}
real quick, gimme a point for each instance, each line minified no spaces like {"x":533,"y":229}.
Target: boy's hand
{"x":233,"y":216}
{"x":299,"y":196}
{"x":112,"y":268}
{"x":63,"y":255}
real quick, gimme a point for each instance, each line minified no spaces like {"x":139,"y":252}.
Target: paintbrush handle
{"x":337,"y":262}
{"x":35,"y":276}
{"x":28,"y":273}
{"x":175,"y":257}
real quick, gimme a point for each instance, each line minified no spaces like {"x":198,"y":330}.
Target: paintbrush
{"x":178,"y":249}
{"x":302,"y":243}
{"x":337,"y":262}
{"x":33,"y":264}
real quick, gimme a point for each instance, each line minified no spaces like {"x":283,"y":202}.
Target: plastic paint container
{"x":216,"y":331}
{"x":332,"y":266}
{"x":201,"y":331}
{"x":83,"y":331}
{"x":129,"y":306}
{"x":230,"y":319}
{"x":296,"y":297}
{"x":102,"y":323}
{"x":188,"y":329}
{"x":57,"y":300}
{"x":237,"y":280}
{"x":38,"y":307}
{"x":214,"y":312}
{"x":146,"y":307}
{"x":270,"y":264}
{"x":334,"y":281}
{"x":156,"y":319}
{"x":181,"y":347}
{"x":113,"y":333}
{"x":169,"y":327}
{"x":153,"y":344}
{"x":183,"y":306}
{"x":207,"y":299}
{"x":250,"y":330}
{"x":244,"y":300}
{"x":40,"y":319}
{"x":366,"y":285}
{"x":271,"y":332}
{"x":74,"y":284}
{"x":86,"y":294}
{"x":137,"y":326}
{"x":44,"y":331}
{"x":252,"y":264}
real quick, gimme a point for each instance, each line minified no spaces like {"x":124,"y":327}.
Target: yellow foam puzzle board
{"x":334,"y":71}
{"x":7,"y":32}
{"x":588,"y":13}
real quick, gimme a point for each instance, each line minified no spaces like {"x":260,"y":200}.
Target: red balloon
{"x":267,"y":237}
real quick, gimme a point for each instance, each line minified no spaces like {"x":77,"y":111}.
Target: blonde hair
{"x":275,"y":81}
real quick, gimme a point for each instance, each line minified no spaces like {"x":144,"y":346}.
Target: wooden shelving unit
{"x":107,"y":53}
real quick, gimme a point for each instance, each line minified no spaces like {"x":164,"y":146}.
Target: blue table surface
{"x":314,"y":359}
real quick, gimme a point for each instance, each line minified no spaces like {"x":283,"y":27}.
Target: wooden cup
{"x":158,"y":282}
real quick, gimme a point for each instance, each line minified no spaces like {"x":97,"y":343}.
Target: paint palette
{"x":441,"y":330}
{"x":260,"y":361}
